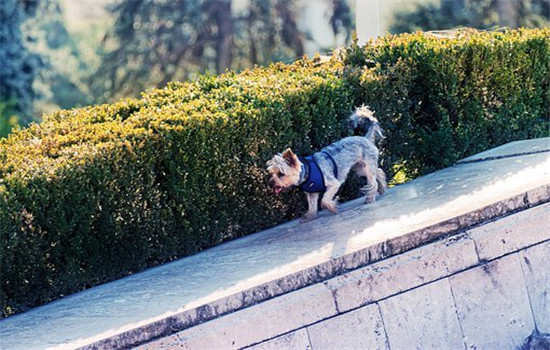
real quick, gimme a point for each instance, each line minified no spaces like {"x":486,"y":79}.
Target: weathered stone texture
{"x":358,"y":329}
{"x":535,"y":262}
{"x":538,"y":195}
{"x":402,"y":272}
{"x":256,"y":323}
{"x":492,"y":304}
{"x":297,"y":340}
{"x":512,"y":233}
{"x":423,"y":318}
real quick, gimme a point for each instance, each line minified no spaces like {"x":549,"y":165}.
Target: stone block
{"x":405,"y":271}
{"x":252,"y":325}
{"x":358,"y":329}
{"x":538,"y":195}
{"x":423,"y":318}
{"x":512,"y":149}
{"x":512,"y":233}
{"x":297,"y":340}
{"x":535,"y":262}
{"x":492,"y":305}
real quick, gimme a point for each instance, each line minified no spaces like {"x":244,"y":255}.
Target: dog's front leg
{"x":328,"y":201}
{"x":312,"y":199}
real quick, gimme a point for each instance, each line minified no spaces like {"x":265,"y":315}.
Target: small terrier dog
{"x":325,"y":171}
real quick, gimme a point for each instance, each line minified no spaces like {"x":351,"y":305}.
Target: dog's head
{"x":285,"y":171}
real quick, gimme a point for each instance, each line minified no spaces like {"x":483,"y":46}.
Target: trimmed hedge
{"x":443,"y":98}
{"x":93,"y":194}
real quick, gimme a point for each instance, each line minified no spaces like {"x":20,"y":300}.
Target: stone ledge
{"x":427,"y":314}
{"x":405,"y":271}
{"x":349,"y":262}
{"x":246,"y":272}
{"x":456,"y":311}
{"x":263,"y":321}
{"x":513,"y":233}
{"x":321,"y":272}
{"x":512,"y":149}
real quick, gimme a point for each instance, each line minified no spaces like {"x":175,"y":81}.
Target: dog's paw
{"x":330,"y":206}
{"x":308,"y":217}
{"x":370,"y":200}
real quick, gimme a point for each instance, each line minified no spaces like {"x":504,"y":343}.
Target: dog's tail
{"x":363,"y":120}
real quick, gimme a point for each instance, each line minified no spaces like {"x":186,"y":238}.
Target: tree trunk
{"x":224,"y":40}
{"x":507,"y":13}
{"x":452,"y":9}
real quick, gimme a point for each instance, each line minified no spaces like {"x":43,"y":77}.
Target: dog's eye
{"x":280,"y":175}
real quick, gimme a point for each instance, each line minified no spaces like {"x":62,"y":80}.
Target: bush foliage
{"x":93,"y":194}
{"x":446,"y":96}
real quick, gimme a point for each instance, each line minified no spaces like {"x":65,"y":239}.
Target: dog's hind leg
{"x":372,"y":186}
{"x":381,"y":179}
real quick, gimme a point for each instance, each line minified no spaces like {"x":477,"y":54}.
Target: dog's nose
{"x":272,"y":182}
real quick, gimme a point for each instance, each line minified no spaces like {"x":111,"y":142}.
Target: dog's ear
{"x":290,"y":157}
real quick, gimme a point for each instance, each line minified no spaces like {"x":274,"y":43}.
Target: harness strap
{"x":334,"y":167}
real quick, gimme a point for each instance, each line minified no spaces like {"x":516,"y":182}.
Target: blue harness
{"x":315,"y":181}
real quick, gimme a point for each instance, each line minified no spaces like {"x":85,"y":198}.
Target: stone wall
{"x":487,"y":287}
{"x":455,"y":259}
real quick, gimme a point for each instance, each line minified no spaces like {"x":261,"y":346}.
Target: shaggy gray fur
{"x":355,"y":153}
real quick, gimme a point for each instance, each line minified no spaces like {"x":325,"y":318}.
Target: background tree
{"x":59,"y":81}
{"x":479,"y":14}
{"x":341,"y":19}
{"x":19,"y":66}
{"x":41,"y":66}
{"x":154,"y":42}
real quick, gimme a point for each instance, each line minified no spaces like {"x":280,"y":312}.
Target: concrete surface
{"x":511,"y":149}
{"x":250,"y":273}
